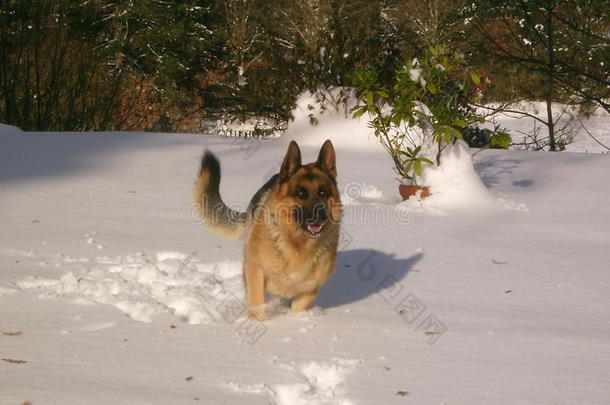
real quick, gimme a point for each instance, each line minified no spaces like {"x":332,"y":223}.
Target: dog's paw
{"x":258,"y":314}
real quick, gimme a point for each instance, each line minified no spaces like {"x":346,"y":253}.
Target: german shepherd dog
{"x":291,"y":227}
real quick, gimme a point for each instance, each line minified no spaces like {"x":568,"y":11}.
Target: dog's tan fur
{"x":280,"y":256}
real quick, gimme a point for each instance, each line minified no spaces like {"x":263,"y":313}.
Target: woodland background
{"x":175,"y":65}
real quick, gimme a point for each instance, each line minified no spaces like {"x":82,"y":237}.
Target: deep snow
{"x":121,"y":298}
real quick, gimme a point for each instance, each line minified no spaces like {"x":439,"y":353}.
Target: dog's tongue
{"x":314,"y":228}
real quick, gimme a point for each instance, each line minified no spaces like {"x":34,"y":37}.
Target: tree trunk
{"x":549,"y":117}
{"x":551,"y":75}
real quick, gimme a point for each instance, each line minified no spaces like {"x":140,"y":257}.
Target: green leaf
{"x":417,"y":167}
{"x":460,"y":123}
{"x":383,"y":93}
{"x":453,"y":133}
{"x":475,"y":77}
{"x":500,"y":139}
{"x":359,"y":113}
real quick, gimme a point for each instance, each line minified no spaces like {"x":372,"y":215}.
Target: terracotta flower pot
{"x":408,"y":191}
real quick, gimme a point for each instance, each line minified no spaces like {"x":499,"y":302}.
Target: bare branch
{"x":591,"y":135}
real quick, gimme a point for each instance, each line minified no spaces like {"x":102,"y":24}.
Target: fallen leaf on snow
{"x":13,"y":361}
{"x":402,"y":393}
{"x":508,"y":291}
{"x":16,"y":333}
{"x":494,"y":261}
{"x":188,"y":379}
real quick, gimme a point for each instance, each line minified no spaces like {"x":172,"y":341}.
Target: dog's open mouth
{"x":314,"y":229}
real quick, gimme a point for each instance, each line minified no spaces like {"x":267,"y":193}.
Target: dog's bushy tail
{"x":209,"y":205}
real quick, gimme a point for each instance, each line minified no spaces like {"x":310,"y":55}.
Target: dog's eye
{"x":301,"y":193}
{"x":323,"y":193}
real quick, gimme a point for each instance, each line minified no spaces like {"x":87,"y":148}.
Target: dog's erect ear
{"x":292,"y":161}
{"x":326,"y":158}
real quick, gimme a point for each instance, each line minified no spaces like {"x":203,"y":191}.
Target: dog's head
{"x":309,"y":192}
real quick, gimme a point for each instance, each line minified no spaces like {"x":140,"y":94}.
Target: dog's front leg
{"x":255,"y":289}
{"x":303,"y":301}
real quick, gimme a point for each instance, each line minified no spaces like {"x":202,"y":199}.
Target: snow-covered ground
{"x":111,"y":293}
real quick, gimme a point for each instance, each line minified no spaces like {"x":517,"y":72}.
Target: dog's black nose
{"x":318,"y":215}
